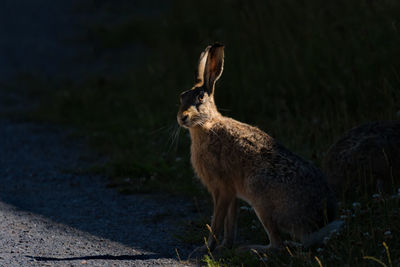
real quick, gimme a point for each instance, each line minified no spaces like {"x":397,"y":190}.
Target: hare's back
{"x":292,"y":186}
{"x":269,"y":164}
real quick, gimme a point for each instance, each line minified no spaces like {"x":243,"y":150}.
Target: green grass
{"x":302,"y":71}
{"x":369,"y":223}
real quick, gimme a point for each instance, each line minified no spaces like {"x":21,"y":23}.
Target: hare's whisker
{"x":172,"y":131}
{"x":173,"y":139}
{"x":162,"y":128}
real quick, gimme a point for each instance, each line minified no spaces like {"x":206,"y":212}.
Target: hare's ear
{"x":200,"y":69}
{"x":213,"y":67}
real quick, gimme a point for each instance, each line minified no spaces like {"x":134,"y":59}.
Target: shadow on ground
{"x":98,"y":257}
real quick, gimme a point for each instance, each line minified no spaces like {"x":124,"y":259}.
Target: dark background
{"x":303,"y":71}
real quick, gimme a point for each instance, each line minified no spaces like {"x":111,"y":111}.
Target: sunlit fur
{"x":234,"y":159}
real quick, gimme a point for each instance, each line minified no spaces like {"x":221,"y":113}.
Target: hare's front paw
{"x":198,"y":253}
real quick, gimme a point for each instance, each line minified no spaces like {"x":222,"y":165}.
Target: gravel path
{"x":51,"y":216}
{"x":52,"y":213}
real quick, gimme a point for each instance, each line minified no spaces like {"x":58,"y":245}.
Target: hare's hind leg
{"x":275,"y":242}
{"x":270,"y":226}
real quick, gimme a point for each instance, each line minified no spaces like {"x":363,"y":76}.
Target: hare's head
{"x":197,"y":104}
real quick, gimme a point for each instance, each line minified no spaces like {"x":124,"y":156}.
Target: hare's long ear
{"x":213,"y":67}
{"x":200,"y":69}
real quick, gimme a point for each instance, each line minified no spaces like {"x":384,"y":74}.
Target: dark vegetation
{"x":303,"y":71}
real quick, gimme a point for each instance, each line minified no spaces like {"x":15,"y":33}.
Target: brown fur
{"x":233,"y":159}
{"x":366,"y":156}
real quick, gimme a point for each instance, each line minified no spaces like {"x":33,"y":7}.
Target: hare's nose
{"x":184,"y":118}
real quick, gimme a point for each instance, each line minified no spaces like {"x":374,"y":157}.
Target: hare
{"x":235,"y":160}
{"x":367,"y":156}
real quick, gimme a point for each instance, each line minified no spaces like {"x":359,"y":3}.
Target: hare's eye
{"x":201,"y":96}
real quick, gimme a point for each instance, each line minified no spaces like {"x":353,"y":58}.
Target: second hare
{"x":365,"y":159}
{"x":236,"y":160}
